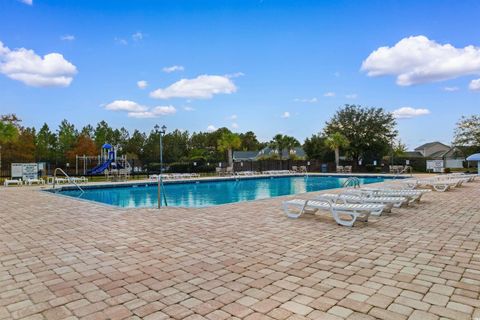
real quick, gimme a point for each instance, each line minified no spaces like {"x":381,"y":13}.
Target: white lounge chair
{"x":364,"y":197}
{"x":411,"y":195}
{"x":8,"y":182}
{"x":354,"y":211}
{"x":36,"y":181}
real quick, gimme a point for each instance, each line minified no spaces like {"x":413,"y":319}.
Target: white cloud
{"x":28,"y":2}
{"x":153,"y":113}
{"x":408,"y":112}
{"x":351,"y":96}
{"x":233,"y":117}
{"x":285,"y":115}
{"x":211,"y":128}
{"x":137,"y":36}
{"x":451,"y":89}
{"x":120,"y":41}
{"x":329,"y":94}
{"x":51,"y":70}
{"x":235,"y":75}
{"x":188,"y":108}
{"x":136,"y":110}
{"x":474,"y":85}
{"x":234,"y":125}
{"x":125,"y":105}
{"x":142,"y":84}
{"x":417,"y":59}
{"x":173,"y":69}
{"x":201,"y":87}
{"x":67,"y":37}
{"x":306,"y":100}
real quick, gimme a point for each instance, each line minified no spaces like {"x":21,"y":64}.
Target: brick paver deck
{"x":66,"y":259}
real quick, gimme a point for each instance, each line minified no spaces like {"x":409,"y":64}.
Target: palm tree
{"x":8,"y":133}
{"x":227,"y":142}
{"x":281,"y":143}
{"x":335,"y":141}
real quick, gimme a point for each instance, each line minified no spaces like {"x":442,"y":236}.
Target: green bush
{"x":447,"y":170}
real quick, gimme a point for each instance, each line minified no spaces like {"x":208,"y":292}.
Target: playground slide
{"x":100,"y":168}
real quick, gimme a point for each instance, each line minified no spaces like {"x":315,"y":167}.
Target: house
{"x":298,"y":152}
{"x":452,"y":156}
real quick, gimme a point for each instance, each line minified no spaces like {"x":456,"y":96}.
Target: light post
{"x":160,"y":181}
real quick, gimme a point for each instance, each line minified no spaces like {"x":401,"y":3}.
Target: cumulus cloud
{"x":136,"y":110}
{"x":233,"y":117}
{"x":154,"y":112}
{"x":120,"y":41}
{"x":285,"y":115}
{"x":67,"y":37}
{"x":474,"y":85}
{"x":329,"y":94}
{"x":235,"y":75}
{"x":211,"y":128}
{"x":234,"y":125}
{"x":51,"y":70}
{"x":142,"y":84}
{"x":351,"y":96}
{"x":408,"y":112}
{"x":201,"y":87}
{"x":451,"y":89}
{"x":306,"y":100}
{"x":125,"y":105}
{"x":188,"y":108}
{"x":417,"y":59}
{"x":27,"y":2}
{"x":137,"y":36}
{"x":173,"y":69}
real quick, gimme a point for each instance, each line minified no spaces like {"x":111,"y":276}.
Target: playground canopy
{"x":107,"y":146}
{"x":474,"y":157}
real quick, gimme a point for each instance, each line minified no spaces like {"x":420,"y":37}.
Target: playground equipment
{"x":108,"y":162}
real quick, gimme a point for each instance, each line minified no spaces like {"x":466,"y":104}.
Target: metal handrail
{"x":407,"y":168}
{"x":66,"y":175}
{"x":354,"y":180}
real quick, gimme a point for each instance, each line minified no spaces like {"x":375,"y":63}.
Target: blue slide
{"x":100,"y":168}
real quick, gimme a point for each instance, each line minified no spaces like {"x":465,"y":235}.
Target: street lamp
{"x":160,"y":181}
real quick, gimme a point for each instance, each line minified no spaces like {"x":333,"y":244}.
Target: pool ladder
{"x":68,"y":178}
{"x":352,"y":181}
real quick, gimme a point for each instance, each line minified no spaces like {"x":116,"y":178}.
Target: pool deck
{"x":61,"y":258}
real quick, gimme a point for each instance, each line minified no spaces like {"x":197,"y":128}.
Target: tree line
{"x":359,"y":133}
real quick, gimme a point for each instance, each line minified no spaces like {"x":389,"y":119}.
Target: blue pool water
{"x":210,"y":193}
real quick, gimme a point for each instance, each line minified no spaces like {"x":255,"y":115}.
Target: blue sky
{"x":266,"y":66}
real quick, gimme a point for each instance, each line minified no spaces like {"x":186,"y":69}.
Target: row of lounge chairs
{"x":40,"y":181}
{"x":344,"y":169}
{"x":173,"y":176}
{"x":440,"y":183}
{"x":359,"y":204}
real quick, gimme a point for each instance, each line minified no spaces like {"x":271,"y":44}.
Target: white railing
{"x":353,"y":181}
{"x":68,"y":178}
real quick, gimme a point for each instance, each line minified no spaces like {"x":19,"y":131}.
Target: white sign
{"x":435,"y":165}
{"x":25,"y":170}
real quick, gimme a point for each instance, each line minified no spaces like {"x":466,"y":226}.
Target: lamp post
{"x":160,"y":181}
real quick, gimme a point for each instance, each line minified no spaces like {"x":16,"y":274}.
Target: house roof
{"x":429,"y":144}
{"x":244,"y":155}
{"x":413,"y":154}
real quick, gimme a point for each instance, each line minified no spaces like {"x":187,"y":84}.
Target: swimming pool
{"x":203,"y":193}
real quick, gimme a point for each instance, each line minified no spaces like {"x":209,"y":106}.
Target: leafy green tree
{"x":135,"y":145}
{"x":67,"y":137}
{"x":227,"y":142}
{"x":103,"y":134}
{"x":250,"y":141}
{"x":88,"y":130}
{"x":315,"y":148}
{"x":335,"y":141}
{"x":8,"y":133}
{"x":46,"y":144}
{"x":467,"y":134}
{"x":370,"y":131}
{"x":176,"y":146}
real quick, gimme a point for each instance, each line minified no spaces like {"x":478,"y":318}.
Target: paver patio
{"x":66,"y":259}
